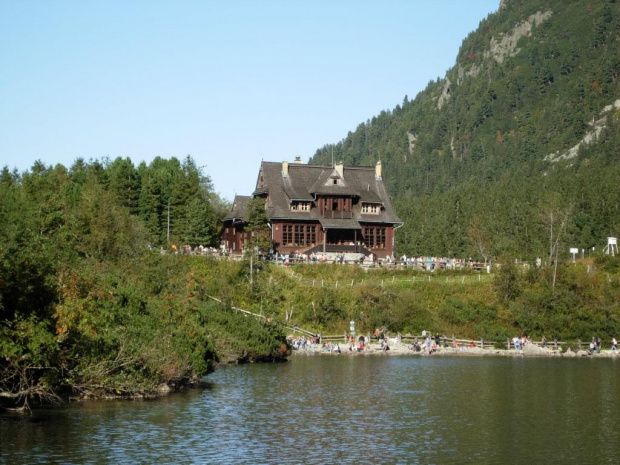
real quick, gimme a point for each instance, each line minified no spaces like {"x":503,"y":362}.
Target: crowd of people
{"x":189,"y":250}
{"x":596,"y":343}
{"x":315,"y":344}
{"x":441,"y":263}
{"x":427,"y":344}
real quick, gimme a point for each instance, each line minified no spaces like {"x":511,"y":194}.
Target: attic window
{"x":371,"y":208}
{"x":300,"y":206}
{"x":335,"y":182}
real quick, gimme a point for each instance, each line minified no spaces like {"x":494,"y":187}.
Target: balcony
{"x":337,"y":215}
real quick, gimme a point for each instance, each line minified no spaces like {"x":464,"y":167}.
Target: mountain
{"x":513,"y":152}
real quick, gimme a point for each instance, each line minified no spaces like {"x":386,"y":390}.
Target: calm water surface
{"x":347,"y":409}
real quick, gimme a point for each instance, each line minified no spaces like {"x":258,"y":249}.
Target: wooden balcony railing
{"x":337,"y":215}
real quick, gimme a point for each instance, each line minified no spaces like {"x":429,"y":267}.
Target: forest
{"x":89,"y":307}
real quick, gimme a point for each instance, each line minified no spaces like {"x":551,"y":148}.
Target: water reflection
{"x":346,"y":409}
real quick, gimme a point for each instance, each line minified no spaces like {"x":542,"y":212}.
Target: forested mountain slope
{"x":520,"y":137}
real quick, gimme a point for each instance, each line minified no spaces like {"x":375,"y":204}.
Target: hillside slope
{"x":519,"y":137}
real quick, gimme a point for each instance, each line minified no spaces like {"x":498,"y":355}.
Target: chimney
{"x":298,"y":160}
{"x":285,"y":169}
{"x":340,"y":168}
{"x":378,"y":170}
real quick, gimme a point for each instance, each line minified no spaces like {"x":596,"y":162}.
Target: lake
{"x":347,"y":409}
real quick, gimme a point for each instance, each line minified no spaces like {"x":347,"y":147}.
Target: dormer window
{"x":371,"y":208}
{"x":300,"y":206}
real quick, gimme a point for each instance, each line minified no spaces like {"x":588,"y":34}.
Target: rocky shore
{"x":401,"y":348}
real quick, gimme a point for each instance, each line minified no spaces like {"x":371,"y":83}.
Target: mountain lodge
{"x":319,"y":209}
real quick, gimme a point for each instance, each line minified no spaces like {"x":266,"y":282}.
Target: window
{"x":287,"y":234}
{"x":298,"y":235}
{"x":375,"y":237}
{"x":380,"y":238}
{"x":369,"y":237}
{"x":373,"y":208}
{"x":311,"y":236}
{"x":300,"y":206}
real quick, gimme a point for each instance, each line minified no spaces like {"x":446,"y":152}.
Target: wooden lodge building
{"x":319,"y":209}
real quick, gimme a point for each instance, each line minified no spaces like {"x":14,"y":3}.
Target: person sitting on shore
{"x":455,"y":344}
{"x":471,"y":344}
{"x":614,"y":344}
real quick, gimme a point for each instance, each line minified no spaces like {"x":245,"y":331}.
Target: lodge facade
{"x":319,"y":209}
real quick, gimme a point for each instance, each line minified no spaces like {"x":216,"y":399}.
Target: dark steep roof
{"x":239,"y":208}
{"x":304,"y":182}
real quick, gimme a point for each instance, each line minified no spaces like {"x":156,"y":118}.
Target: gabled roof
{"x":238,"y":209}
{"x":306,"y":182}
{"x":331,"y":183}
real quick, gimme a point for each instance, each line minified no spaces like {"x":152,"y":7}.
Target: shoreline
{"x":400,"y":349}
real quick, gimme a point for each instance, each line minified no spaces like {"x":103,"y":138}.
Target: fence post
{"x":481,"y":343}
{"x":508,"y":344}
{"x":578,"y":344}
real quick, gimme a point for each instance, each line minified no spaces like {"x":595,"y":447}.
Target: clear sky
{"x":227,"y":82}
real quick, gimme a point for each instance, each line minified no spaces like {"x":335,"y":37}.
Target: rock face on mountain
{"x":505,"y":45}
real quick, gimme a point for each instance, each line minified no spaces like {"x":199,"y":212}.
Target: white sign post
{"x":612,"y":246}
{"x":574,"y":251}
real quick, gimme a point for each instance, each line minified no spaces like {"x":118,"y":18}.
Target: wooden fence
{"x":478,"y":343}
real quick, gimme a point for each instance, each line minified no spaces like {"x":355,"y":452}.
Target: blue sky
{"x":227,"y":82}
